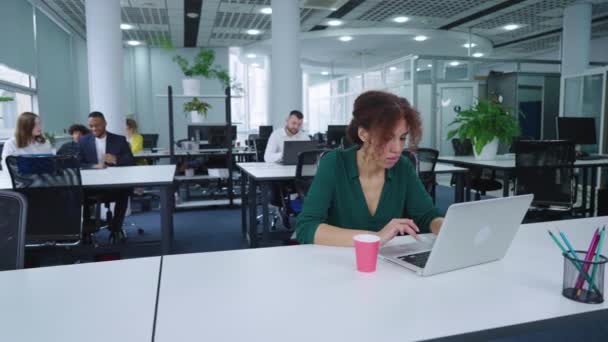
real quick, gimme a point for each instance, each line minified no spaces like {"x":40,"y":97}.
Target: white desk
{"x":128,"y":177}
{"x":260,"y":174}
{"x":313,"y":293}
{"x":106,"y":301}
{"x":163,"y":153}
{"x":506,"y":164}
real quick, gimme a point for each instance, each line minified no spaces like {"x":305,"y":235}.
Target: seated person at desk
{"x":135,"y":140}
{"x":370,"y":187}
{"x":28,"y":138}
{"x":101,"y":149}
{"x":72,"y":148}
{"x":291,"y":132}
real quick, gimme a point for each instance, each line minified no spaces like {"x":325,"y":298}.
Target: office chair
{"x":481,"y":180}
{"x":426,"y":159}
{"x":519,"y":138}
{"x":308,"y":162}
{"x":53,"y":188}
{"x":13,"y":220}
{"x":545,"y":168}
{"x":260,"y":147}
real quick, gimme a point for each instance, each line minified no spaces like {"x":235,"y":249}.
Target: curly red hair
{"x":379,"y":112}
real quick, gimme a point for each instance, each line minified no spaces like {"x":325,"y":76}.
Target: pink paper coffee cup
{"x":366,"y":251}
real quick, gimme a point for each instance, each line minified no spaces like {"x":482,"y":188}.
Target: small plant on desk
{"x":195,"y":105}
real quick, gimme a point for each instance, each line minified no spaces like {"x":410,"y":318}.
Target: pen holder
{"x":578,"y":274}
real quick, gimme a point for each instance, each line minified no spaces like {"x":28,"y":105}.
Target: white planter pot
{"x":488,"y":152}
{"x":195,"y":117}
{"x":192,"y":86}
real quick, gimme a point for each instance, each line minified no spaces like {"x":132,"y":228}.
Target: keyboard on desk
{"x":593,"y":157}
{"x":418,"y":259}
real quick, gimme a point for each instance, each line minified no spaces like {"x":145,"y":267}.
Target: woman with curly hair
{"x":370,"y":187}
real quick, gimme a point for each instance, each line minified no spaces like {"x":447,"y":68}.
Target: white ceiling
{"x":224,"y":22}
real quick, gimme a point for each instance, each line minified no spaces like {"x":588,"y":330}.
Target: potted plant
{"x":197,"y":109}
{"x":50,"y":137}
{"x":6,"y":99}
{"x":486,"y":124}
{"x":201,"y":66}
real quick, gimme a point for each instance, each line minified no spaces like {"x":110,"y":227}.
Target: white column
{"x":576,"y":38}
{"x":268,"y":76}
{"x":143,"y":90}
{"x":286,"y":80}
{"x":105,"y":61}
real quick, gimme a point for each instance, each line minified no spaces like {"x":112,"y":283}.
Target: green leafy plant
{"x":197,"y":106}
{"x":6,"y":99}
{"x":50,"y":137}
{"x":203,"y":66}
{"x":483,"y":122}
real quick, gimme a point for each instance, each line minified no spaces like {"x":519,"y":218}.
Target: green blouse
{"x":336,"y":197}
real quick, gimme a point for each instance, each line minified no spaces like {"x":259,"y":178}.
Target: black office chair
{"x":306,"y":169}
{"x":545,"y":168}
{"x":150,"y":140}
{"x":424,"y":161}
{"x":260,"y":147}
{"x":482,"y":180}
{"x":13,"y":207}
{"x":53,"y":188}
{"x":519,"y":138}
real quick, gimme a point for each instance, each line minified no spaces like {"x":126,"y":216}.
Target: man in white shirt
{"x":291,"y":132}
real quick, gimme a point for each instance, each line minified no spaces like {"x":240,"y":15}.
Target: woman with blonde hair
{"x":28,"y":138}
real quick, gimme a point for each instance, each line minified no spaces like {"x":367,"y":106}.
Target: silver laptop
{"x":472,"y":233}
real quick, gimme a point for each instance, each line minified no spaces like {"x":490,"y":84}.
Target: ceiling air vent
{"x":330,"y":5}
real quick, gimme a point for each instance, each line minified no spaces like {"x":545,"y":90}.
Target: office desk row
{"x":506,"y":165}
{"x":160,"y":176}
{"x":261,"y":175}
{"x":296,"y":293}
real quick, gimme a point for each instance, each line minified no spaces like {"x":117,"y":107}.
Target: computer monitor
{"x":203,"y":132}
{"x":579,"y":130}
{"x":335,"y":134}
{"x":265,"y":132}
{"x":218,"y":137}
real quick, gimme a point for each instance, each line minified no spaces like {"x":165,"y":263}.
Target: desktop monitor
{"x":218,"y":137}
{"x":335,"y":134}
{"x":204,"y":132}
{"x":265,"y":132}
{"x":579,"y":130}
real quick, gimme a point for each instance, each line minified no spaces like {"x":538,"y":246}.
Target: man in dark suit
{"x":104,"y":149}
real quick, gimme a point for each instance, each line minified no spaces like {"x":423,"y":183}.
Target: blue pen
{"x":570,"y":249}
{"x":598,"y":251}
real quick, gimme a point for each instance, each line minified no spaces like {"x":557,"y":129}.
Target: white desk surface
{"x":311,"y":293}
{"x":508,"y":161}
{"x":164,"y":153}
{"x":116,"y":176}
{"x":105,"y":301}
{"x":275,"y":171}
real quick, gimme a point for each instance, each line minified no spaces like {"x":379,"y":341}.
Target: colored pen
{"x":598,"y":252}
{"x":576,"y":264}
{"x":588,"y":257}
{"x":570,"y":249}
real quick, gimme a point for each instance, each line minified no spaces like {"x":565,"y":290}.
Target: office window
{"x":17,"y":94}
{"x":16,"y":77}
{"x":250,"y":111}
{"x":319,"y":109}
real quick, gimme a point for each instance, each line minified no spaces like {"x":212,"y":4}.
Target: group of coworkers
{"x":94,"y":147}
{"x":367,"y":188}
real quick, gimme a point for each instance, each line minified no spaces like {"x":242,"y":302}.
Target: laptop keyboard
{"x":418,"y":259}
